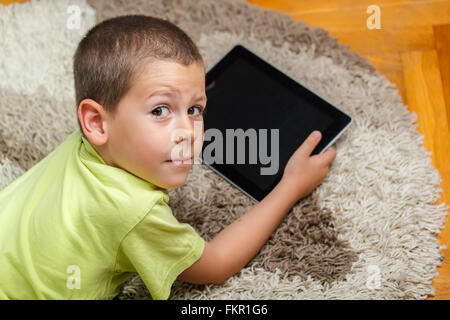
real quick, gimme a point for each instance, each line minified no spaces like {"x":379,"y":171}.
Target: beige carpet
{"x":369,"y":231}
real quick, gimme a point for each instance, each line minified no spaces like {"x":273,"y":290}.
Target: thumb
{"x":310,"y":143}
{"x":328,"y":156}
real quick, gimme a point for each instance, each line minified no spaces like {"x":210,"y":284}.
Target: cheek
{"x":141,"y":143}
{"x":152,"y":147}
{"x":198,"y":131}
{"x":198,"y":144}
{"x":156,"y":143}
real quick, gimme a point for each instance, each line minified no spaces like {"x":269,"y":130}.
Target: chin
{"x":175,"y":183}
{"x":175,"y":186}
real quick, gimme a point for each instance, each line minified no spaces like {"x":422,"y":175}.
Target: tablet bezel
{"x":329,"y":136}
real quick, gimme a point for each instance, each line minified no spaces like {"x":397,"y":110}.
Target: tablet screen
{"x":262,"y":120}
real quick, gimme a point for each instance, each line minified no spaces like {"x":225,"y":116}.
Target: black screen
{"x":246,"y":93}
{"x":245,"y":97}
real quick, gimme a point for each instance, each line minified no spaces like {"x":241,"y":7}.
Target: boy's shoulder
{"x":75,"y":177}
{"x":110,"y":176}
{"x":114,"y":187}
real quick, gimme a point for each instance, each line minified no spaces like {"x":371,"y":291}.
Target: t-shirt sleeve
{"x":159,"y":248}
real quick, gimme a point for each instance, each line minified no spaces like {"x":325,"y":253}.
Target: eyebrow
{"x":173,"y":93}
{"x":163,"y":93}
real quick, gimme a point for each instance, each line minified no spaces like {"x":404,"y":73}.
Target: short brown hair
{"x":110,"y":55}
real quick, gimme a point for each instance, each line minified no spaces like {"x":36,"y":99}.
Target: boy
{"x":95,"y":210}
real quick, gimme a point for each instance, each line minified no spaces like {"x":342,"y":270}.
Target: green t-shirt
{"x":73,"y":227}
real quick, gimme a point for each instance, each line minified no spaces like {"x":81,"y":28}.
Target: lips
{"x":181,"y":159}
{"x":182,"y":162}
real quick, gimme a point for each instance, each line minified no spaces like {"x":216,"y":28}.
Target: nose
{"x":184,"y":130}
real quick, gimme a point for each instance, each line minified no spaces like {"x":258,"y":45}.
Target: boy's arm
{"x":239,"y":242}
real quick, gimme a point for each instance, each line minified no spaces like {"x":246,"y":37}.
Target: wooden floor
{"x":412,"y":49}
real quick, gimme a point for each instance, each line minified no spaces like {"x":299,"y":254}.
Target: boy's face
{"x":158,"y":122}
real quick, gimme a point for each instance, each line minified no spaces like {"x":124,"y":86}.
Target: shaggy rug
{"x":369,"y":231}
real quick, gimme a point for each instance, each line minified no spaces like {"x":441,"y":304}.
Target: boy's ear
{"x":92,"y":118}
{"x":205,"y":63}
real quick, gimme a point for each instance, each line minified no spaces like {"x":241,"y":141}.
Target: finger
{"x":328,"y":156}
{"x":310,"y":143}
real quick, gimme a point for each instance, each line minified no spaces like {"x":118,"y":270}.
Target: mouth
{"x":182,"y":163}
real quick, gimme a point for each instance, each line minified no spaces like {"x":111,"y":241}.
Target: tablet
{"x":256,"y":117}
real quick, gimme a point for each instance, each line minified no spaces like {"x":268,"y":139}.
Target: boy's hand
{"x":238,"y":243}
{"x":303,"y":172}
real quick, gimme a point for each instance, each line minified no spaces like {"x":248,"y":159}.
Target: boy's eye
{"x":160,"y":112}
{"x":195,"y":113}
